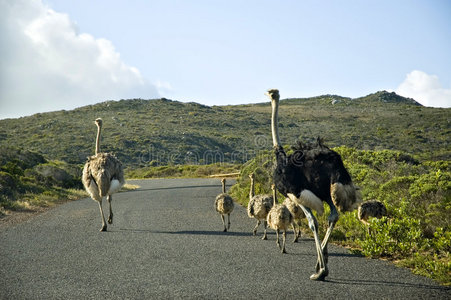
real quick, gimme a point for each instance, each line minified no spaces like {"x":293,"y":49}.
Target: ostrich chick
{"x":258,"y":207}
{"x":372,"y":208}
{"x":279,"y":218}
{"x":224,"y":205}
{"x":103,"y":175}
{"x":298,"y":214}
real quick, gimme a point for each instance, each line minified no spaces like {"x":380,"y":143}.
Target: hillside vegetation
{"x":160,"y":132}
{"x":27,"y":179}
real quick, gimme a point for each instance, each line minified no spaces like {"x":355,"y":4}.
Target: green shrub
{"x":392,"y":238}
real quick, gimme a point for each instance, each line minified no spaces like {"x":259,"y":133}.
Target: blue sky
{"x":61,"y":54}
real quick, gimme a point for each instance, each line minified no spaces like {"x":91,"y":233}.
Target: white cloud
{"x":425,"y":89}
{"x":163,"y":87}
{"x":47,"y":65}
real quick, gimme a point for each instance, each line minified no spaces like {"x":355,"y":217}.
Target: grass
{"x":182,"y":171}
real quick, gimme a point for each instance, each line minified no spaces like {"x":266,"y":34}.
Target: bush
{"x":392,"y":238}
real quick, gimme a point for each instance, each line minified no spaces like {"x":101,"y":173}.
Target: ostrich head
{"x":273,"y":94}
{"x":98,"y":122}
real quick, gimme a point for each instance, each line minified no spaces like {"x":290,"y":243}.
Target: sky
{"x":63,"y":54}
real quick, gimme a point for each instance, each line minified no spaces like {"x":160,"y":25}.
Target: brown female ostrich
{"x":310,"y":175}
{"x":258,"y":207}
{"x":224,"y":205}
{"x":102,"y":176}
{"x":279,"y":218}
{"x":372,"y":208}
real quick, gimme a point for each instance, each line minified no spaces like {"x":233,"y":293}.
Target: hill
{"x":161,"y":131}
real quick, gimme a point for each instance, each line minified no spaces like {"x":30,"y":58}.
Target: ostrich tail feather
{"x":115,"y":186}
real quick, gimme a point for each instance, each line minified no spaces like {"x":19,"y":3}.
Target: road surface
{"x":167,"y":242}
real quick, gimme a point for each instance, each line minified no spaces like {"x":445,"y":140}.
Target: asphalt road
{"x":167,"y":242}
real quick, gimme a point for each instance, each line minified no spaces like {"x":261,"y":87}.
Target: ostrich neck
{"x":99,"y":129}
{"x":274,"y":124}
{"x":223,"y":187}
{"x":274,"y":197}
{"x":252,"y":191}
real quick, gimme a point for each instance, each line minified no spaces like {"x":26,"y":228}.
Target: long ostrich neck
{"x":274,"y":196}
{"x":223,"y":186}
{"x":274,"y":123}
{"x":252,"y":191}
{"x":99,"y":129}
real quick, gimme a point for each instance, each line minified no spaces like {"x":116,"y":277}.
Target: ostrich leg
{"x":110,"y":217}
{"x":228,"y":221}
{"x":264,"y":232}
{"x":332,"y":220}
{"x":103,"y":217}
{"x":223,"y":223}
{"x":256,"y":226}
{"x":322,"y":270}
{"x":294,"y":232}
{"x":298,"y":235}
{"x":277,"y":241}
{"x":284,"y":237}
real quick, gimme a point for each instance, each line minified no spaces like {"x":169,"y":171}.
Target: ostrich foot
{"x":320,"y":275}
{"x":225,"y":230}
{"x":326,"y":259}
{"x":103,"y":228}
{"x":283,"y":250}
{"x":110,"y":219}
{"x":264,"y":237}
{"x":254,"y":232}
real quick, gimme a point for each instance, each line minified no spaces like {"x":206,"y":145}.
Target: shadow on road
{"x":388,"y":283}
{"x":191,"y":232}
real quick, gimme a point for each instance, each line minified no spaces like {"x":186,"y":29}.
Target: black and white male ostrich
{"x":103,"y":175}
{"x":224,"y":205}
{"x":310,"y":175}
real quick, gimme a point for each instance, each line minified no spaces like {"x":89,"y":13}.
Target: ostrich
{"x":102,"y":176}
{"x":279,"y":218}
{"x":310,"y":175}
{"x":372,"y":208}
{"x":298,"y":215}
{"x":258,"y":207}
{"x":224,"y":205}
